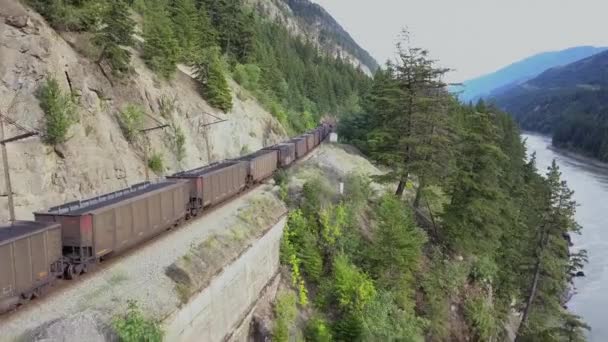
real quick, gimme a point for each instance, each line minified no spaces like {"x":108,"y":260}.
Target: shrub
{"x":285,"y":311}
{"x":317,"y":330}
{"x":353,"y":288}
{"x":180,"y":143}
{"x":131,"y":120}
{"x":59,"y":110}
{"x":482,"y":317}
{"x":134,"y":327}
{"x":166,"y":105}
{"x":155,"y":163}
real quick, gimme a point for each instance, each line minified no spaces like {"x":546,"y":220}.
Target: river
{"x":589,"y":180}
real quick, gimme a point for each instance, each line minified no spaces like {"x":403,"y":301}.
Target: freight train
{"x":71,"y":239}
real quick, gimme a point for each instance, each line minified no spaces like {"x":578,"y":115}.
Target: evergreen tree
{"x":210,"y":73}
{"x":552,"y":269}
{"x":161,"y":49}
{"x":115,"y":34}
{"x":187,"y":26}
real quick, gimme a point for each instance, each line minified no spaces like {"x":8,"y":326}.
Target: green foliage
{"x":211,"y":75}
{"x":480,"y":313}
{"x":384,"y":320}
{"x":353,"y":288}
{"x":160,"y":47}
{"x":155,"y":163}
{"x":317,"y":330}
{"x":131,"y":119}
{"x":398,"y":243}
{"x":285,"y":311}
{"x":59,"y":110}
{"x":180,"y":142}
{"x":357,"y":189}
{"x":70,"y":15}
{"x":134,"y":327}
{"x":248,"y":76}
{"x":114,"y":35}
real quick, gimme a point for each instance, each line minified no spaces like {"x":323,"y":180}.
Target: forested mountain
{"x":570,"y":102}
{"x":311,"y":23}
{"x":329,"y":30}
{"x":521,"y":71}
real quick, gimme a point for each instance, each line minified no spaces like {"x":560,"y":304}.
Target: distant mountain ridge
{"x":315,"y":15}
{"x":570,"y":102}
{"x":511,"y":76}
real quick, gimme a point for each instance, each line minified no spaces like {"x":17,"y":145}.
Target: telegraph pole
{"x":145,"y":131}
{"x":7,"y":175}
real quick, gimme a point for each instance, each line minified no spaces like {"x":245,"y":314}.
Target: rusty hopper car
{"x":261,"y":164}
{"x":287,"y":153}
{"x":30,"y":259}
{"x":317,"y":133}
{"x":310,"y":141}
{"x":301,"y":146}
{"x":116,"y":221}
{"x":214,"y":183}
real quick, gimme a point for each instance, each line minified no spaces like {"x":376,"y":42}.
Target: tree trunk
{"x":419,"y":193}
{"x":401,"y":187}
{"x":524,"y":318}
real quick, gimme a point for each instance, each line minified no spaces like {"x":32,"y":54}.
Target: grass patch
{"x":155,"y":163}
{"x":285,"y":311}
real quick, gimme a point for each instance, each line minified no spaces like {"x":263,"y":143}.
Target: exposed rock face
{"x":96,"y":158}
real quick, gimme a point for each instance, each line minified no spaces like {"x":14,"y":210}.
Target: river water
{"x":589,"y":180}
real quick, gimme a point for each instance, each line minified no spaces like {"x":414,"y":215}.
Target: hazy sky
{"x":473,"y":36}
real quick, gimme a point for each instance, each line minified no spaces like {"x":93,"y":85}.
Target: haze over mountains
{"x":503,"y":79}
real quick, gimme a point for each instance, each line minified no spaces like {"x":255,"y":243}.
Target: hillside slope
{"x":97,"y":158}
{"x":310,"y":21}
{"x":570,"y":102}
{"x":510,"y":76}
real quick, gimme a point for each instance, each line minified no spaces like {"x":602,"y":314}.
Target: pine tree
{"x":552,"y":268}
{"x":187,"y":27}
{"x":161,"y":49}
{"x":211,"y":76}
{"x":115,"y":34}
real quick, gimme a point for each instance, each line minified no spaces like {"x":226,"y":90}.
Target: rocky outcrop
{"x":97,"y":158}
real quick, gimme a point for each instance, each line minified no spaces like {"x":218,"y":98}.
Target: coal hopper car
{"x":114,"y":222}
{"x":301,"y":146}
{"x":30,"y":260}
{"x":286,"y":151}
{"x":260,"y":165}
{"x":213,"y":184}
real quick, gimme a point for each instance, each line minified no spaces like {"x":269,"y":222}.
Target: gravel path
{"x":138,"y":275}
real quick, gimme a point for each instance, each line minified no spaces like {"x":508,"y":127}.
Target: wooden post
{"x":7,"y":176}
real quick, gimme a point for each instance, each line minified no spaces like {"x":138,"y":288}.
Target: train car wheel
{"x":71,"y":272}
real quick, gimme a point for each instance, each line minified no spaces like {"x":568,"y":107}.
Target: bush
{"x":180,"y":143}
{"x":353,"y":288}
{"x":68,"y":15}
{"x":482,"y":317}
{"x":131,"y":120}
{"x":285,"y":311}
{"x":134,"y":327}
{"x":317,"y":330}
{"x":155,"y":163}
{"x":59,"y":110}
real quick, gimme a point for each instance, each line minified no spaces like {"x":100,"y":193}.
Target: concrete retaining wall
{"x":214,"y":313}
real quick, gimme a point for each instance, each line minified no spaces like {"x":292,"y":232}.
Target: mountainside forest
{"x":470,"y":235}
{"x":569,"y":102}
{"x":511,"y":76}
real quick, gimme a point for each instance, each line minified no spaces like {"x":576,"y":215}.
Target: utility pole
{"x":7,"y":176}
{"x":145,"y":131}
